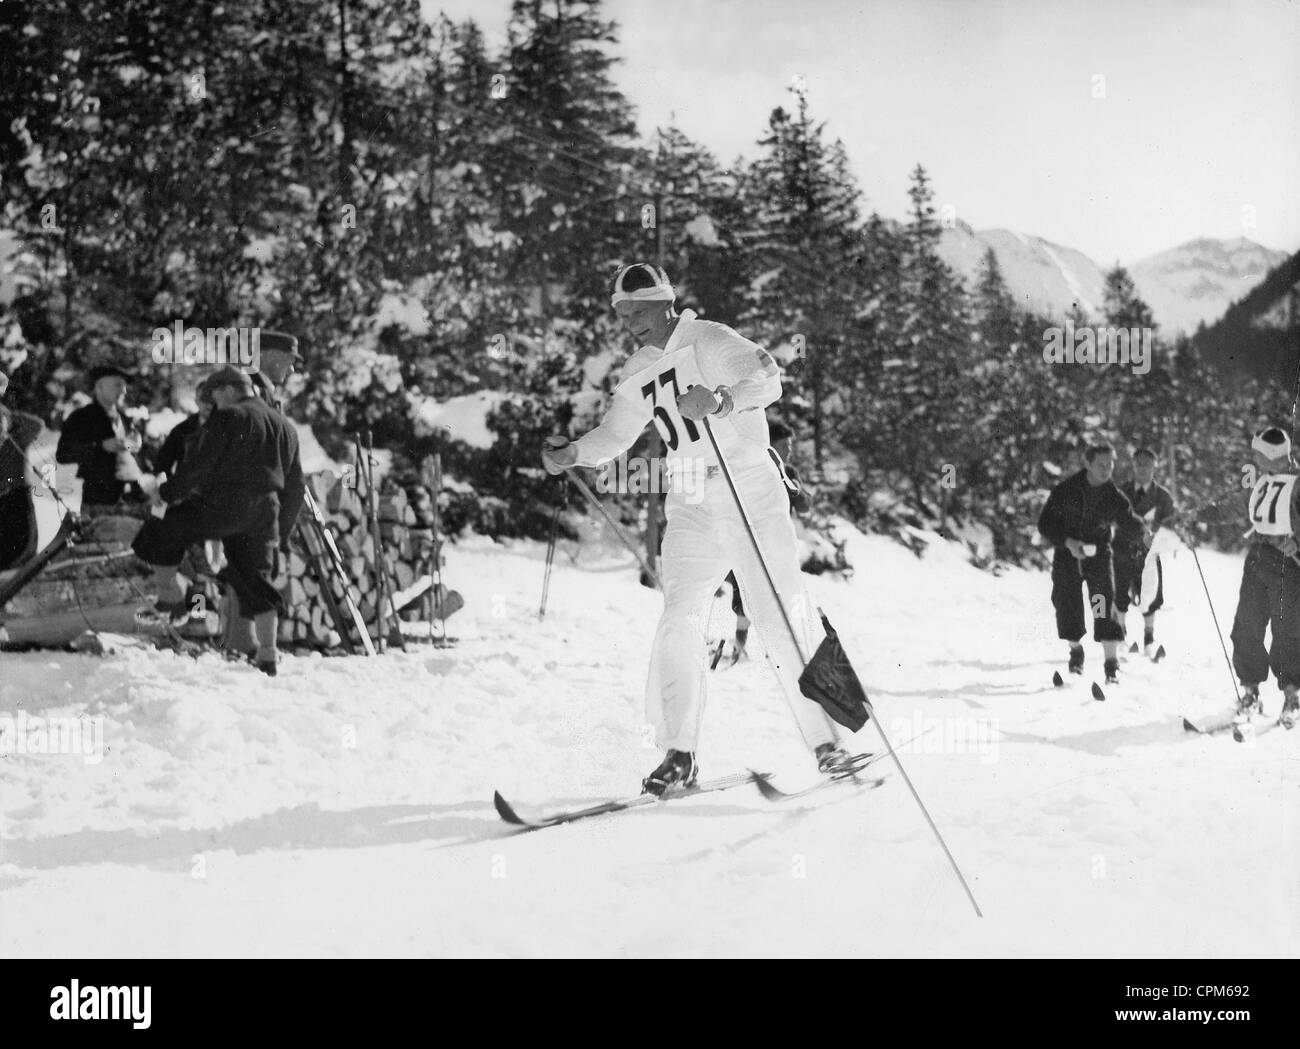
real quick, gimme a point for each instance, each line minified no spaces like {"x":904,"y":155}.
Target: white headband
{"x":659,"y":293}
{"x":1270,"y":450}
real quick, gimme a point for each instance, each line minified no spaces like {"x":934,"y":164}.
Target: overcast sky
{"x":1198,"y":132}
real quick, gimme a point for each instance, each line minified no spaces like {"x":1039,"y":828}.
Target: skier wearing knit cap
{"x":1270,"y":580}
{"x":685,"y":370}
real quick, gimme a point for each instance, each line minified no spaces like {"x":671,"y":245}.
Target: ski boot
{"x":159,"y":612}
{"x":1290,"y":707}
{"x":1249,"y":702}
{"x":1112,"y":671}
{"x":1076,"y":660}
{"x":1149,"y":644}
{"x":678,"y":770}
{"x":830,"y":757}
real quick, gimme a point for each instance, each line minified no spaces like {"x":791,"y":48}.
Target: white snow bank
{"x":344,"y":807}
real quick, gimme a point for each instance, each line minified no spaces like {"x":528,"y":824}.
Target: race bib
{"x":1270,"y":504}
{"x":670,"y":377}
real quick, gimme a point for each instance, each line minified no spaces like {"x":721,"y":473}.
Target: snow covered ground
{"x":344,"y":808}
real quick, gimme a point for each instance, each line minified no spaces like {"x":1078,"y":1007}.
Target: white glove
{"x":127,"y":468}
{"x":149,"y":484}
{"x":558,"y":455}
{"x":697,"y":402}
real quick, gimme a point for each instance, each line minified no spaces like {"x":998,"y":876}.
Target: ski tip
{"x":504,"y":810}
{"x":1160,"y":654}
{"x":1133,"y":647}
{"x":1189,"y":727}
{"x":1097,"y":693}
{"x":1057,"y":680}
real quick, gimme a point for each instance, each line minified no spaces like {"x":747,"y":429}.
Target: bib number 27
{"x":1270,"y":511}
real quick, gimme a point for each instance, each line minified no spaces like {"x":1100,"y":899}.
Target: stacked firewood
{"x":408,"y":549}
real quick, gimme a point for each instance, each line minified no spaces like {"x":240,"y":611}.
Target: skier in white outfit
{"x":688,"y":369}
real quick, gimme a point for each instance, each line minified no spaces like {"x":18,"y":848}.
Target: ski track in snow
{"x":344,"y":808}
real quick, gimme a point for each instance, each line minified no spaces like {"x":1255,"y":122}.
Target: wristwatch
{"x":723,"y":394}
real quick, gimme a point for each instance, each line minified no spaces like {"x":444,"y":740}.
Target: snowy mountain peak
{"x":1184,"y":286}
{"x":1197,"y":281}
{"x":1045,"y":277}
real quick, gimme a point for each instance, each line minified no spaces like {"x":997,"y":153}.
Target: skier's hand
{"x":697,"y":402}
{"x":149,"y":484}
{"x":1289,"y":546}
{"x":558,"y":455}
{"x":1076,"y":548}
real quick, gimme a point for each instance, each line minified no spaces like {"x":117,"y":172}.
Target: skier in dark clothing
{"x":1270,"y":580}
{"x":242,"y":483}
{"x":1155,"y":505}
{"x":1078,"y":519}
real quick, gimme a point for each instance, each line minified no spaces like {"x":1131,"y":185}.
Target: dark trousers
{"x":1128,"y":584}
{"x":15,"y":525}
{"x":1069,"y":575}
{"x":247,"y":525}
{"x":1270,"y":597}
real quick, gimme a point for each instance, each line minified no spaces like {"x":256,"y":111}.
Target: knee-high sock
{"x":239,"y":628}
{"x":266,"y":625}
{"x":167,"y":580}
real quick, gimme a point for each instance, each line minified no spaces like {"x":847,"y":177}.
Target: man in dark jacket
{"x":184,"y":434}
{"x":98,"y":440}
{"x":278,"y":356}
{"x":1154,"y":504}
{"x":241,"y":483}
{"x":1078,"y":519}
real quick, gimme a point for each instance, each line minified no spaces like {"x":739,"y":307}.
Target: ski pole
{"x":550,"y":554}
{"x":870,"y":708}
{"x":581,"y":485}
{"x":1213,"y":615}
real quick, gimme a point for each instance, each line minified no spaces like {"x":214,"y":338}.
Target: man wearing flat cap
{"x":278,"y":355}
{"x":97,"y":439}
{"x":241,"y":483}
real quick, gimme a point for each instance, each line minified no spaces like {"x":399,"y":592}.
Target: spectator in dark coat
{"x":241,"y":483}
{"x":17,"y":431}
{"x":183,"y":434}
{"x":96,"y":437}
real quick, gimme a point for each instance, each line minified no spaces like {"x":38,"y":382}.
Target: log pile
{"x":405,"y":526}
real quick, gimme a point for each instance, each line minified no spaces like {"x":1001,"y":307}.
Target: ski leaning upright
{"x":325,"y":558}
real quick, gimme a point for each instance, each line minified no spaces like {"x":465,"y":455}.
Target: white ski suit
{"x":706,"y":537}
